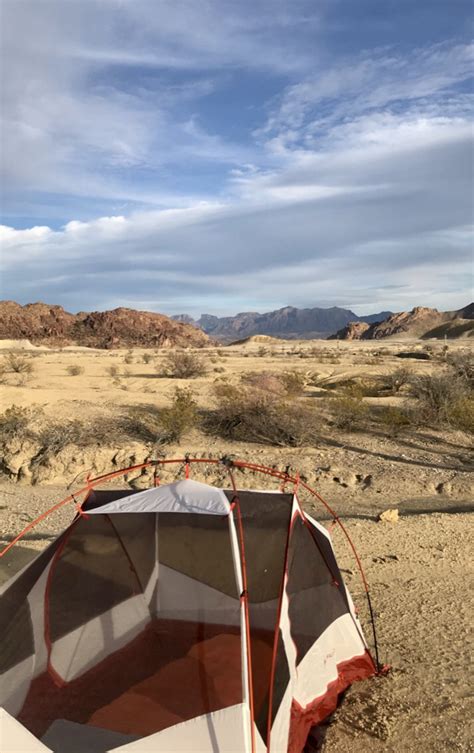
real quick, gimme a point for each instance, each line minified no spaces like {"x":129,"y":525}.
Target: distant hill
{"x":422,"y":322}
{"x":288,"y":323}
{"x":121,"y":327}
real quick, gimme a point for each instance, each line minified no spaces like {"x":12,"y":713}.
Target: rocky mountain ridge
{"x":287,"y":323}
{"x":422,"y":322}
{"x":119,"y":328}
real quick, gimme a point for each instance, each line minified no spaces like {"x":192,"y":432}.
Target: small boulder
{"x":389,"y":516}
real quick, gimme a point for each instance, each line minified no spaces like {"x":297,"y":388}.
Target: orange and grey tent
{"x":183,"y":617}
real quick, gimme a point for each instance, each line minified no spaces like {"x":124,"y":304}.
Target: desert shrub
{"x":262,"y":352}
{"x":180,"y":417}
{"x":147,"y":423}
{"x":15,"y":423}
{"x":129,"y":357}
{"x":114,"y":371}
{"x":463,"y":366}
{"x":460,"y":414}
{"x":55,"y":436}
{"x":394,"y":419}
{"x":142,"y":423}
{"x":437,"y":395}
{"x":147,"y":358}
{"x":18,"y":364}
{"x":75,"y":370}
{"x":245,"y":414}
{"x":294,"y":383}
{"x":182,"y":364}
{"x":397,"y":379}
{"x":348,"y":411}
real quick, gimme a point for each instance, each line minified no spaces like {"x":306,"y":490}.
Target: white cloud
{"x":359,"y":180}
{"x":311,"y":108}
{"x":388,"y":230}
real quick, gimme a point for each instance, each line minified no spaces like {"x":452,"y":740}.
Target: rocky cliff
{"x":119,"y":328}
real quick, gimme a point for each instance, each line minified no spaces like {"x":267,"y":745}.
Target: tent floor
{"x":171,"y":672}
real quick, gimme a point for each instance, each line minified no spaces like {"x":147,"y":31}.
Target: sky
{"x":216,"y":156}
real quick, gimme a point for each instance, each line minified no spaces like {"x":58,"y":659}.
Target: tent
{"x":183,"y":617}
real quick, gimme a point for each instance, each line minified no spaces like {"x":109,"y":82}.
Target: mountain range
{"x":123,"y":327}
{"x":288,"y":323}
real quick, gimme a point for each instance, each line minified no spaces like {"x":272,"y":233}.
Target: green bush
{"x":153,"y":425}
{"x":180,"y":417}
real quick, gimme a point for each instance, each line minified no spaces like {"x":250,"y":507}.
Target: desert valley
{"x":374,"y":425}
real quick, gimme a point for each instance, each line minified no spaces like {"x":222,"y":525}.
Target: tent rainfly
{"x":182,"y":618}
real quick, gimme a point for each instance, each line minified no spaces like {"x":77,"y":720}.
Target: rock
{"x":52,"y":325}
{"x":389,"y":516}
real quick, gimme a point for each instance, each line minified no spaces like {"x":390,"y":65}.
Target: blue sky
{"x":218,"y":156}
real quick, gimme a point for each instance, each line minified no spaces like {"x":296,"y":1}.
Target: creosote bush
{"x":182,"y":364}
{"x":75,"y":370}
{"x":250,"y":415}
{"x":147,"y":423}
{"x":461,"y":414}
{"x":440,"y":399}
{"x":180,"y":417}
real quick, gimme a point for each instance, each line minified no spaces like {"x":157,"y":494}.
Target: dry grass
{"x":17,"y":364}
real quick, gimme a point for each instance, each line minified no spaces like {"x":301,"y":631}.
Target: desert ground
{"x":419,"y":567}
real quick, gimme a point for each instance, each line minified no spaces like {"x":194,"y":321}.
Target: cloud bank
{"x":176,"y":157}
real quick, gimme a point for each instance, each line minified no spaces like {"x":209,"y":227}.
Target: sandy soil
{"x":419,"y":569}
